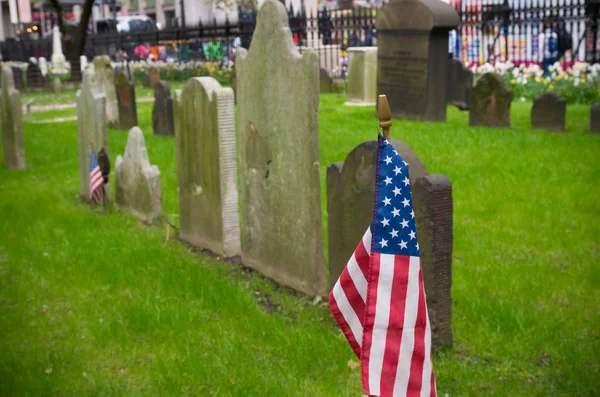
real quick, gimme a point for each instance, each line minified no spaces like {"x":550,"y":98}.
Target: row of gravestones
{"x":278,"y":200}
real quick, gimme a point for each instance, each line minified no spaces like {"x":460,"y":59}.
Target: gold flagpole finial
{"x":384,"y":115}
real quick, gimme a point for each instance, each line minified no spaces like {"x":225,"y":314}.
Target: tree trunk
{"x":78,"y":43}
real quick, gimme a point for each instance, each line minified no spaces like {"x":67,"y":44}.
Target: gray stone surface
{"x":490,"y":103}
{"x":162,"y":111}
{"x":413,"y":56}
{"x":207,"y":168}
{"x":350,"y":191}
{"x":153,"y":76}
{"x":35,"y":78}
{"x":460,"y":85}
{"x":126,"y":100}
{"x":137,"y":183}
{"x":595,"y":118}
{"x":325,"y":81}
{"x":549,"y":112}
{"x":432,"y":196}
{"x":12,"y":122}
{"x":278,"y":101}
{"x":91,"y":127}
{"x":54,"y":85}
{"x":362,"y":75}
{"x":105,"y":81}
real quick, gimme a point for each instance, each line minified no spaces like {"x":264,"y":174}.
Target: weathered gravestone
{"x":278,"y":101}
{"x":59,"y":64}
{"x":162,"y":111}
{"x":153,"y":76}
{"x":413,"y":55}
{"x":549,"y":112}
{"x":137,"y":183}
{"x":105,"y":81}
{"x":83,"y":63}
{"x":490,"y":102}
{"x":126,"y":100}
{"x":43,"y":64}
{"x":460,"y":85}
{"x":55,"y":85}
{"x":92,"y":132}
{"x":207,"y":168}
{"x":362,"y":76}
{"x":12,"y":122}
{"x":350,"y":192}
{"x":595,"y":118}
{"x":35,"y":78}
{"x":18,"y":78}
{"x":325,"y":81}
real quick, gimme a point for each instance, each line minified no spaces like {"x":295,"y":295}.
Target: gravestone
{"x":17,"y":73}
{"x":35,"y":78}
{"x":59,"y":64}
{"x":92,"y":131}
{"x":137,"y":183}
{"x":83,"y":63}
{"x":350,"y":192}
{"x":326,"y":81}
{"x":207,"y":168}
{"x":162,"y":111}
{"x":362,"y":76}
{"x":56,"y":85}
{"x":177,"y":110}
{"x":490,"y":103}
{"x":12,"y":122}
{"x":595,"y":118}
{"x":105,"y":81}
{"x":126,"y":100}
{"x":549,"y":112}
{"x":278,"y":102}
{"x":153,"y":76}
{"x":413,"y":55}
{"x":43,"y":64}
{"x":460,"y":85}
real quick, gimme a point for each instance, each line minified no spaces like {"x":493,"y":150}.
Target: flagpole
{"x":384,"y":115}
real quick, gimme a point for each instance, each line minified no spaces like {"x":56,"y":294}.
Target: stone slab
{"x":126,"y":101}
{"x":105,"y":81}
{"x":490,"y":103}
{"x":549,"y":112}
{"x":162,"y":111}
{"x":12,"y":122}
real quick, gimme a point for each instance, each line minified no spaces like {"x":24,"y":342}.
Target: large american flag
{"x":379,"y":299}
{"x":96,"y":179}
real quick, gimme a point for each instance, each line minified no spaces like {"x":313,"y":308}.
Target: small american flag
{"x":96,"y":180}
{"x":379,"y":299}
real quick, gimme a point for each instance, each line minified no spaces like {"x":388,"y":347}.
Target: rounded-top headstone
{"x":549,"y":112}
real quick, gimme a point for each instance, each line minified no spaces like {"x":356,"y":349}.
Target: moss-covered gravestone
{"x":12,"y":122}
{"x":126,"y":100}
{"x":549,"y":112}
{"x":162,"y":111}
{"x":490,"y":103}
{"x":595,"y":118}
{"x":413,"y":56}
{"x":350,"y":191}
{"x":278,"y":103}
{"x":92,"y":132}
{"x":137,"y":183}
{"x":206,"y":167}
{"x":105,"y":83}
{"x":325,"y":81}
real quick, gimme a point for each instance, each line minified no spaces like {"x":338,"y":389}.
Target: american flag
{"x":96,"y":180}
{"x":379,"y":299}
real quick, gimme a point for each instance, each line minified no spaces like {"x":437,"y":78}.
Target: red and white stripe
{"x":379,"y":304}
{"x":96,"y":181}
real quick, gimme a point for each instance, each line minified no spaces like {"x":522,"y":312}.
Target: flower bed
{"x":577,"y":84}
{"x":223,"y":72}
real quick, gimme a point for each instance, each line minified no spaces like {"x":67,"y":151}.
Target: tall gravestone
{"x":278,"y":101}
{"x":362,"y":76}
{"x":12,"y":122}
{"x":92,"y":131}
{"x":549,"y":112}
{"x":137,"y":183}
{"x":207,"y":168}
{"x":105,"y":81}
{"x":460,"y":85}
{"x":153,"y":76}
{"x":43,"y":64}
{"x":126,"y":100}
{"x":325,"y":81}
{"x":595,"y":118}
{"x":59,"y":64}
{"x":490,"y":102}
{"x":413,"y":56}
{"x":35,"y":78}
{"x":350,"y":191}
{"x":162,"y":111}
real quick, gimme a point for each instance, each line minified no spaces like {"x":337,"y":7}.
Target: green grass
{"x":94,"y":303}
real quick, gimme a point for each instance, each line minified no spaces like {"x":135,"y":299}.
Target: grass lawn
{"x":94,"y":303}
